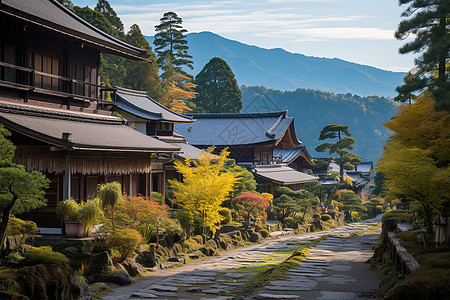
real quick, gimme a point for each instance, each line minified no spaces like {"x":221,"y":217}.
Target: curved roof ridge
{"x":240,"y":115}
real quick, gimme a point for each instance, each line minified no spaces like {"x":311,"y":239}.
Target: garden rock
{"x":120,"y":277}
{"x":99,"y":263}
{"x":147,"y":259}
{"x":209,"y":248}
{"x":255,"y":237}
{"x":79,"y":289}
{"x":132,"y":267}
{"x":45,"y":281}
{"x":71,"y":251}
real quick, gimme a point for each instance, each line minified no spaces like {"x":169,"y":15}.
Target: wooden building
{"x":155,"y":120}
{"x":253,"y":139}
{"x":52,"y":102}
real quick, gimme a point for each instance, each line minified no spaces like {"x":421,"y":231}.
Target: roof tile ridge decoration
{"x":269,"y":133}
{"x":240,"y":115}
{"x":59,"y":114}
{"x":145,"y":94}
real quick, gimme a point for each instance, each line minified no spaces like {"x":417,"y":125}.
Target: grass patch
{"x":277,"y":272}
{"x":434,"y":261}
{"x":253,"y":269}
{"x":100,"y":291}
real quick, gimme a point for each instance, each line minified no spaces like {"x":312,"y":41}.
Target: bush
{"x":316,"y":216}
{"x":396,"y":214}
{"x":325,"y":217}
{"x":265,"y":233}
{"x":157,"y":197}
{"x":190,"y":245}
{"x":289,"y":222}
{"x":226,"y":214}
{"x":126,"y":241}
{"x":21,"y":227}
{"x":198,"y":239}
{"x":43,"y":255}
{"x":14,"y":257}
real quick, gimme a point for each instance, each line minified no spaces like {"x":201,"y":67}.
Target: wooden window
{"x":8,"y":54}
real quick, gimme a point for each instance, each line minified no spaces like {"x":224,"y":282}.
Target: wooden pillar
{"x":67,"y":180}
{"x":131,"y":185}
{"x":163,"y":185}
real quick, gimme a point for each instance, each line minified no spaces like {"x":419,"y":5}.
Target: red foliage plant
{"x":251,"y":202}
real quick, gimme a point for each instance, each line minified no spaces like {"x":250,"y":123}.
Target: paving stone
{"x":162,"y":288}
{"x":333,"y":295}
{"x":194,"y":290}
{"x":216,"y":291}
{"x":287,"y":289}
{"x":305,"y":274}
{"x":142,"y":295}
{"x":216,"y":298}
{"x":276,"y":296}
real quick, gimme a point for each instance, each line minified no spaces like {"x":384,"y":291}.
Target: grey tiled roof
{"x":235,"y":129}
{"x":282,"y":174}
{"x":288,"y":155}
{"x":91,"y":133}
{"x":365,"y":167}
{"x":141,"y":105}
{"x":53,"y":15}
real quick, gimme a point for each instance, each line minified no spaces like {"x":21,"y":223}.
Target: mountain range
{"x":283,"y":70}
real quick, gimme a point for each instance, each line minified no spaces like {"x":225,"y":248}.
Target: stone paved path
{"x":335,"y":270}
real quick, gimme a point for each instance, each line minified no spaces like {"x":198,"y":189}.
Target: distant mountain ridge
{"x":283,"y":70}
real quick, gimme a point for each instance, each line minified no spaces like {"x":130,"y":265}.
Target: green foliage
{"x":20,"y":191}
{"x":346,"y":160}
{"x":398,"y":215}
{"x":265,"y":233}
{"x":428,"y":21}
{"x":110,"y":194}
{"x":217,"y":88}
{"x":67,"y":3}
{"x":245,"y":181}
{"x":226,"y":214}
{"x":18,"y":226}
{"x":250,"y":204}
{"x":351,"y":203}
{"x":170,"y":41}
{"x":88,"y":213}
{"x":106,"y":10}
{"x":158,"y":197}
{"x":325,"y":217}
{"x":43,"y":255}
{"x":126,"y":241}
{"x":14,"y":257}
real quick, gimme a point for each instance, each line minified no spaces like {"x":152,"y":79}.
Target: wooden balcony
{"x":27,"y":79}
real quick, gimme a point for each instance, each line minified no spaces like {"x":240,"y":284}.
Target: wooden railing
{"x":29,"y":79}
{"x":405,"y":262}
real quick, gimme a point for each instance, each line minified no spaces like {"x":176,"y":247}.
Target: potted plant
{"x":79,"y":218}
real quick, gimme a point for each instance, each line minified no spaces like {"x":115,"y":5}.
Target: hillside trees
{"x":204,"y":188}
{"x":428,"y":20}
{"x":217,"y":89}
{"x":105,"y":9}
{"x":20,"y":191}
{"x":171,"y":42}
{"x":346,"y":160}
{"x":416,"y":158}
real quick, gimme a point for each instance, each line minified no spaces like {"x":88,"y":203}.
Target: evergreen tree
{"x":20,"y":191}
{"x":217,"y":89}
{"x":104,"y":8}
{"x":142,"y":75}
{"x":66,"y":3}
{"x":428,"y":20}
{"x":346,"y":160}
{"x":170,"y":40}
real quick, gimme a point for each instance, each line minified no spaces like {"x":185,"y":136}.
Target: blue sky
{"x":360,"y":31}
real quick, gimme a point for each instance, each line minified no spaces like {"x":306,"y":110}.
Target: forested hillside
{"x":314,"y":109}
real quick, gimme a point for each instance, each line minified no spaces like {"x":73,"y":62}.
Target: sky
{"x":360,"y":31}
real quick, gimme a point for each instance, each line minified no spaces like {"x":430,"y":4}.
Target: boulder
{"x":228,"y":228}
{"x":255,"y":237}
{"x":99,"y":263}
{"x":225,"y":242}
{"x":132,"y":267}
{"x":45,"y":281}
{"x":147,"y":258}
{"x":120,"y":277}
{"x":209,"y":248}
{"x":79,"y":289}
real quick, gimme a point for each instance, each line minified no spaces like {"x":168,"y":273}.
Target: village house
{"x":155,"y":120}
{"x":253,"y":139}
{"x":52,"y":102}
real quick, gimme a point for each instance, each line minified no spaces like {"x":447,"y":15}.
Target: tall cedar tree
{"x":428,"y":20}
{"x":20,"y":191}
{"x":346,"y":160}
{"x":218,"y":91}
{"x":142,"y":75}
{"x":170,"y":40}
{"x":104,"y":8}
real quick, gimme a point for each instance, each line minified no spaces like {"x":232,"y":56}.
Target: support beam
{"x":67,"y":182}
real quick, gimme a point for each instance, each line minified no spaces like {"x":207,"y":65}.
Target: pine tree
{"x":104,"y":8}
{"x":170,"y":40}
{"x":346,"y":160}
{"x":428,"y":20}
{"x":142,"y":75}
{"x":217,"y":88}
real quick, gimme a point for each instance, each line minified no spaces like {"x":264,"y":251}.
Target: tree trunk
{"x":428,"y":218}
{"x":5,"y":219}
{"x":112,"y":219}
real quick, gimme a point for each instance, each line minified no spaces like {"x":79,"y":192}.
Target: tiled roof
{"x":281,"y":174}
{"x":365,"y":167}
{"x":236,"y":129}
{"x":141,"y":105}
{"x":54,"y":16}
{"x":86,"y":131}
{"x":288,"y":155}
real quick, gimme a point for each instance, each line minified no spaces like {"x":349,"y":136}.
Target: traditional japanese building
{"x":155,"y":120}
{"x":297,"y":158}
{"x":60,"y":116}
{"x":253,"y":140}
